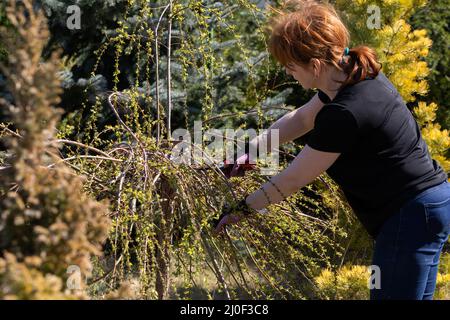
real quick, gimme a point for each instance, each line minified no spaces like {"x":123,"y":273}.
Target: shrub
{"x":47,"y":222}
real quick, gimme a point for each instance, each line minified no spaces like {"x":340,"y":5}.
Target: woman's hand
{"x":231,"y":214}
{"x":238,"y":169}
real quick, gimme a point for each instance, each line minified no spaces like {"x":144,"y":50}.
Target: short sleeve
{"x":335,"y":130}
{"x":323,"y":97}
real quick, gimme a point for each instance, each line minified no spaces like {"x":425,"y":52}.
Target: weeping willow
{"x":162,"y":211}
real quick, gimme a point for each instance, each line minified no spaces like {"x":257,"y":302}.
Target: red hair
{"x":306,"y":29}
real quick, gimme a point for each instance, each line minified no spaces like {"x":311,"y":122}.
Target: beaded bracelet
{"x":278,"y":189}
{"x":266,"y":195}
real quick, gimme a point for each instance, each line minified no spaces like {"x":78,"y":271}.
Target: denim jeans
{"x":409,"y":245}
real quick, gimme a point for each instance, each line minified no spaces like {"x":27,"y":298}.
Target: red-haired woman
{"x":363,"y":135}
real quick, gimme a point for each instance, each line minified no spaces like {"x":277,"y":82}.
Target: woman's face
{"x":304,"y":75}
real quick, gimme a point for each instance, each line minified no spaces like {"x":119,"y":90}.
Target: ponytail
{"x":361,"y":64}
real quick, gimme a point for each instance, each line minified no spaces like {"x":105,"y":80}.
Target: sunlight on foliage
{"x":349,"y":282}
{"x":438,"y":140}
{"x":397,"y":45}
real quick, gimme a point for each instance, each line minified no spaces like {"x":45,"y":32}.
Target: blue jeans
{"x":409,"y":245}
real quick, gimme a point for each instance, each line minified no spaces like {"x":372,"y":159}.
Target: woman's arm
{"x":293,"y":124}
{"x":306,"y":167}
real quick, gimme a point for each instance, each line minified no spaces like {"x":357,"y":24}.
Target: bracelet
{"x":278,"y":189}
{"x":266,"y":195}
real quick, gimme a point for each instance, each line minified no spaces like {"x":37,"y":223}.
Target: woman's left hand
{"x":231,"y":214}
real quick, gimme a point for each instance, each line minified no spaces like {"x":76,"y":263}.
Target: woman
{"x":365,"y":138}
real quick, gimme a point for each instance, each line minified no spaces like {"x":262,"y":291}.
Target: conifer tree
{"x":48,"y":224}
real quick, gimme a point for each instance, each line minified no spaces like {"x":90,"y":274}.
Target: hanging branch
{"x":141,"y":145}
{"x":158,"y":133}
{"x":169,"y":78}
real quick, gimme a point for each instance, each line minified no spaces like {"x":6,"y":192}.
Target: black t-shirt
{"x":384,"y":161}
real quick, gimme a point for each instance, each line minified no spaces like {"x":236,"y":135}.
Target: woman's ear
{"x":316,"y":67}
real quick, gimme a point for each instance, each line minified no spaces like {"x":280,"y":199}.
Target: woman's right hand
{"x":238,"y":169}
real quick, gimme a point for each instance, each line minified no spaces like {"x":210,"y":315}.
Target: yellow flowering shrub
{"x":443,"y":279}
{"x":438,"y":140}
{"x":348,"y":282}
{"x":397,"y":45}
